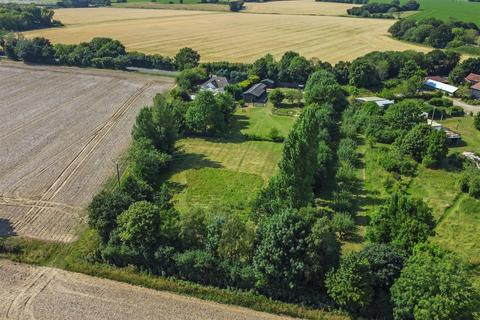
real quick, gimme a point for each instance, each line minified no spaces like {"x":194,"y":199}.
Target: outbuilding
{"x":473,"y":78}
{"x":476,"y":90}
{"x":381,"y":102}
{"x":437,"y":85}
{"x":256,"y":94}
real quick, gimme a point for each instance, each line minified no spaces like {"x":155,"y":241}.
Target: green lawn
{"x":259,"y":121}
{"x":230,"y":171}
{"x":214,"y":187}
{"x":446,"y":9}
{"x":470,"y":135}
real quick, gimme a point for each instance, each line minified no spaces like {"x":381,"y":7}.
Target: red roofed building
{"x":473,"y":78}
{"x":438,"y":79}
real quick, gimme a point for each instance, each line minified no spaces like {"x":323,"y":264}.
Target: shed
{"x":437,"y":85}
{"x":381,"y":102}
{"x":256,"y":94}
{"x":269,"y":83}
{"x":476,"y":90}
{"x":473,"y":78}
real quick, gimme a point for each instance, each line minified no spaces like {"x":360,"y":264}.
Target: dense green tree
{"x":276,"y":96}
{"x":425,"y":143}
{"x":104,"y":210}
{"x":362,"y":283}
{"x":265,"y":67}
{"x":293,"y":185}
{"x":283,"y":66}
{"x":144,"y":226}
{"x":363,"y":74}
{"x":342,"y":72}
{"x":322,"y":88}
{"x":34,"y":50}
{"x":193,"y":228}
{"x":204,"y":115}
{"x":21,"y":17}
{"x":294,"y":253}
{"x":403,"y":222}
{"x":299,"y":69}
{"x":440,"y":36}
{"x":439,"y":62}
{"x":434,"y":284}
{"x":187,"y":58}
{"x":146,"y":161}
{"x":403,"y":116}
{"x":189,"y":79}
{"x":137,"y":188}
{"x":158,"y":125}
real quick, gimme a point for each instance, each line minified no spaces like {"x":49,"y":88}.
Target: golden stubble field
{"x":303,"y":7}
{"x":240,"y":37}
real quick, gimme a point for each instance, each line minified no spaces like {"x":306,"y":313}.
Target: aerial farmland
{"x":61,"y":132}
{"x":236,"y":37}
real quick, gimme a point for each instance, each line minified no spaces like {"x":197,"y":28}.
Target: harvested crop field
{"x":29,"y":292}
{"x":305,"y":7}
{"x":222,"y":36}
{"x":61,"y":130}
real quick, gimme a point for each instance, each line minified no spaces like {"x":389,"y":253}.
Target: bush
{"x":276,"y":96}
{"x":343,"y":224}
{"x":393,"y":161}
{"x":476,"y":121}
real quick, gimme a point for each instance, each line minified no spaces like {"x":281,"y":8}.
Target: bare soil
{"x":29,"y":292}
{"x":61,"y":130}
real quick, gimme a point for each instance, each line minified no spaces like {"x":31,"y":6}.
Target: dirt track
{"x":60,"y":131}
{"x":29,"y":292}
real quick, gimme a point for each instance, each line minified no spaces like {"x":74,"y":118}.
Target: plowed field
{"x":61,"y":130}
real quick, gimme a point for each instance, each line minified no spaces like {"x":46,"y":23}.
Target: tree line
{"x":19,"y":17}
{"x":102,"y":53}
{"x":380,"y":10}
{"x":437,"y":33}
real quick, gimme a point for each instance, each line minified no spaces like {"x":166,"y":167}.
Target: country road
{"x":466,"y":107}
{"x":31,"y":292}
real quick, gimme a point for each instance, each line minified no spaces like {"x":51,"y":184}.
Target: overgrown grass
{"x":456,"y":213}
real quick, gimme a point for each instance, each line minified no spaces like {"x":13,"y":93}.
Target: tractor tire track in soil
{"x":31,"y":292}
{"x":74,"y":165}
{"x":56,"y":160}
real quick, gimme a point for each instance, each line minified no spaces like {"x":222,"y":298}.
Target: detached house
{"x":215,"y":84}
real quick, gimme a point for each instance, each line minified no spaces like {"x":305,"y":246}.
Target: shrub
{"x":343,"y":224}
{"x":476,"y":121}
{"x":276,"y":96}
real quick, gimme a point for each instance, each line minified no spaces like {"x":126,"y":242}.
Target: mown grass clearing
{"x":236,"y":37}
{"x":212,"y":187}
{"x":259,"y":121}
